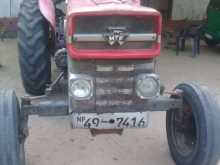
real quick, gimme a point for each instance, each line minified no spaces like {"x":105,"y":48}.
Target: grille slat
{"x":113,"y":87}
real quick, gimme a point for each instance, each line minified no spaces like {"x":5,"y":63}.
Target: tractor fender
{"x":47,"y":9}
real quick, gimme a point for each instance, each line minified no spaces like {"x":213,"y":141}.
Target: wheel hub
{"x":185,"y":130}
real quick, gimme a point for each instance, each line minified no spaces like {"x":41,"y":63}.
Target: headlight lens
{"x":81,"y":89}
{"x":147,"y":86}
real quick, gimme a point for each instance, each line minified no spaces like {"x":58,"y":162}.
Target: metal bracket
{"x":53,"y":103}
{"x":54,"y":84}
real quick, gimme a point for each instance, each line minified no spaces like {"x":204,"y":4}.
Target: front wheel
{"x":11,"y":138}
{"x":193,"y":131}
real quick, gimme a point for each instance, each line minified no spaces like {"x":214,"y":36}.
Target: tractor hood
{"x":112,"y":29}
{"x":75,"y":7}
{"x":78,"y":4}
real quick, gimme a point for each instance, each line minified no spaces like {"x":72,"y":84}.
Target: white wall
{"x":189,"y":9}
{"x":182,"y":9}
{"x":9,"y":8}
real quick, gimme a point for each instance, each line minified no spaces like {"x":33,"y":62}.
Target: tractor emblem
{"x":116,"y":36}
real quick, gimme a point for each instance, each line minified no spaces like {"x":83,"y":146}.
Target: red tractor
{"x":106,"y":52}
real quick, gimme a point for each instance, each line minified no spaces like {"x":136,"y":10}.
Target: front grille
{"x":115,"y":86}
{"x":114,"y":83}
{"x":99,"y":25}
{"x":114,"y":90}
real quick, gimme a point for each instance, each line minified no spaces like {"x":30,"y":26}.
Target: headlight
{"x":81,"y":89}
{"x":147,"y":86}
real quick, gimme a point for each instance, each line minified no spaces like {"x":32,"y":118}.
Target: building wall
{"x":189,"y":9}
{"x":9,"y":8}
{"x":182,"y":9}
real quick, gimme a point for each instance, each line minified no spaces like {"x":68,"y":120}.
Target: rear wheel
{"x":193,"y":131}
{"x":11,"y":139}
{"x":33,"y":43}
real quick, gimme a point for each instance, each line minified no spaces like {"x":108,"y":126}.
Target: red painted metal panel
{"x":113,"y":54}
{"x":48,"y":10}
{"x":76,"y":4}
{"x":111,"y":9}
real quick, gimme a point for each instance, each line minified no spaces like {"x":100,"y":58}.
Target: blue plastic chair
{"x":193,"y":33}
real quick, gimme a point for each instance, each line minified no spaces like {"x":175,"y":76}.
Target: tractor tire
{"x":11,"y":143}
{"x":193,"y":131}
{"x":33,"y":43}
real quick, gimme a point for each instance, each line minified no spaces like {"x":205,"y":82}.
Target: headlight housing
{"x":81,"y":88}
{"x":147,"y":86}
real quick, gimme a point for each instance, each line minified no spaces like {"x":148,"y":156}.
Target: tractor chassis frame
{"x":55,"y":102}
{"x":59,"y":105}
{"x":46,"y":106}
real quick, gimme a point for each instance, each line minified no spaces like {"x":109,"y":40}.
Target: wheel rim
{"x":184,"y":130}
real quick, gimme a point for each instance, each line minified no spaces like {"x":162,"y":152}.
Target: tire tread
{"x":9,"y":135}
{"x":33,"y":39}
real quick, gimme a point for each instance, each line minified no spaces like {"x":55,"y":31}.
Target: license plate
{"x":110,"y":120}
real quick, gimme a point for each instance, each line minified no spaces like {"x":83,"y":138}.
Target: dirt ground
{"x":52,"y":141}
